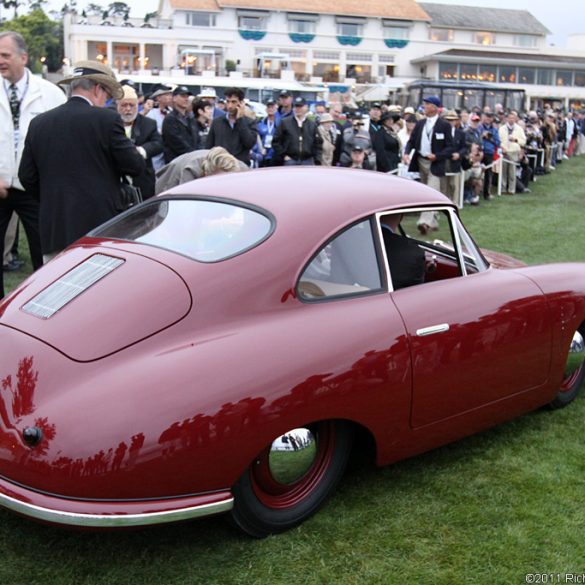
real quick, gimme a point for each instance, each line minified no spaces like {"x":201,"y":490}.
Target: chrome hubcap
{"x":576,"y":355}
{"x":292,"y":455}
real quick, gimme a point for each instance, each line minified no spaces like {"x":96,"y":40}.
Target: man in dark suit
{"x":430,"y":145}
{"x":145,"y":136}
{"x":405,"y":258}
{"x":74,"y":157}
{"x":458,"y":160}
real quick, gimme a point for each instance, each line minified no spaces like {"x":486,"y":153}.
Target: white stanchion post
{"x":461,"y":188}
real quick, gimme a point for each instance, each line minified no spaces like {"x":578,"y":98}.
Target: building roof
{"x":397,"y":9}
{"x":504,"y":57}
{"x":484,"y":19}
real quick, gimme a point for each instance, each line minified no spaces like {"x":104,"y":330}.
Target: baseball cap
{"x":433,"y":99}
{"x":182,"y":90}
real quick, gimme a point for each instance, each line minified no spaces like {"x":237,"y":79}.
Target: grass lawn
{"x":485,"y":510}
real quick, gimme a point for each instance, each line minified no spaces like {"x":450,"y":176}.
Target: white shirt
{"x":427,"y":134}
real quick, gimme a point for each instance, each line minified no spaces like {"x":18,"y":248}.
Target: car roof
{"x":321,"y":197}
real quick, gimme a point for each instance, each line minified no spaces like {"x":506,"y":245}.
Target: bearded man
{"x":145,"y":136}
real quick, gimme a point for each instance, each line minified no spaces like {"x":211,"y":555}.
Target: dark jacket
{"x":145,"y":134}
{"x":73,"y":159}
{"x":441,"y":146}
{"x":297,"y":142}
{"x":387,"y":149}
{"x":179,"y":135}
{"x":460,"y":146}
{"x":238,"y":141}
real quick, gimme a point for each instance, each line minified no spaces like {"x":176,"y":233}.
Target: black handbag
{"x":130,"y":195}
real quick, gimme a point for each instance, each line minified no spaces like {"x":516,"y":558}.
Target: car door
{"x":476,"y":336}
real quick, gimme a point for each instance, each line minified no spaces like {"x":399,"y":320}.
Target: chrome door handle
{"x":433,"y":329}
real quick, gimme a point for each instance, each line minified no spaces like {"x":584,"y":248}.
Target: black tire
{"x":570,"y":386}
{"x":262,"y":506}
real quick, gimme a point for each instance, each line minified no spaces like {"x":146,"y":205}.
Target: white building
{"x":355,"y":42}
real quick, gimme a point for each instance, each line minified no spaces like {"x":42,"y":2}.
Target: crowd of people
{"x":108,"y":133}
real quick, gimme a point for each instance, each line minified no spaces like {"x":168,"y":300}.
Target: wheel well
{"x":363,"y":453}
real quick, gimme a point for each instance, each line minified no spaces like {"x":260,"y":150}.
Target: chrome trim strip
{"x":433,"y":329}
{"x":113,"y":520}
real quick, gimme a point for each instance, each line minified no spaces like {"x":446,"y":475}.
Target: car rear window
{"x":207,"y":231}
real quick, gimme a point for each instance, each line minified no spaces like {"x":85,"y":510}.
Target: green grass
{"x":485,"y":510}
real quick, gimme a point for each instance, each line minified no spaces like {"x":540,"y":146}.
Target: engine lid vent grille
{"x":71,"y":285}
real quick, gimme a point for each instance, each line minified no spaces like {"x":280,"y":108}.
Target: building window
{"x":441,"y":34}
{"x":301,"y":26}
{"x":527,"y":75}
{"x":361,"y":73}
{"x":328,"y":71}
{"x":468,"y":72}
{"x":349,"y":29}
{"x":484,"y":38}
{"x":507,"y":74}
{"x":200,"y":18}
{"x":252,"y":23}
{"x":580,"y":78}
{"x":527,"y":41}
{"x":448,"y":71}
{"x":564,"y":78}
{"x":397,"y":32}
{"x":545,"y":77}
{"x":487,"y":73}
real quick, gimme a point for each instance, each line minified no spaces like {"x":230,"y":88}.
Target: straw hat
{"x":162,"y":90}
{"x":99,"y":73}
{"x":129,"y":93}
{"x":451,"y":115}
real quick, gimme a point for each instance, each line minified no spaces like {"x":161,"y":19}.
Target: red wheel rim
{"x":569,"y":382}
{"x":276,"y":495}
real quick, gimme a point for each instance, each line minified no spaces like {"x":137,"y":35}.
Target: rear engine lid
{"x":90,"y":302}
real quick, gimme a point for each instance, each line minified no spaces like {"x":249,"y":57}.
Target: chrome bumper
{"x":118,"y":514}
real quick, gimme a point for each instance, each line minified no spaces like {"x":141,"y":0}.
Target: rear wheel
{"x":291,"y":478}
{"x":574,"y":375}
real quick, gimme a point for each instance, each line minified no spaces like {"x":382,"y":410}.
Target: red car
{"x":215,"y":349}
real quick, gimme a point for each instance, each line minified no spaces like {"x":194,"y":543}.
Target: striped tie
{"x":14,"y":105}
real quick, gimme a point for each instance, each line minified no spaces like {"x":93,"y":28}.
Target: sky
{"x":561,"y":17}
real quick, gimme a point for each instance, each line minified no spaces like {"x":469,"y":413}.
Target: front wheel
{"x":291,"y":478}
{"x":574,"y":371}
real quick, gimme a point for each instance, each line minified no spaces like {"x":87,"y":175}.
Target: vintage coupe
{"x":216,"y":348}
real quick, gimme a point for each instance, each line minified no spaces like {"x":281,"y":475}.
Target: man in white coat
{"x":22,"y":97}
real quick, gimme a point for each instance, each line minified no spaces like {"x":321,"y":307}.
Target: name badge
{"x":440,"y":136}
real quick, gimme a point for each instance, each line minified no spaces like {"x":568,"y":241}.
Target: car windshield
{"x":207,"y":231}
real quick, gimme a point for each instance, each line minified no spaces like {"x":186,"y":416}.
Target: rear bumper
{"x":110,"y":514}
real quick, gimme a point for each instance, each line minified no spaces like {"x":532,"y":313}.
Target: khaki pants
{"x":430,"y":218}
{"x":452,"y":186}
{"x":508,"y":177}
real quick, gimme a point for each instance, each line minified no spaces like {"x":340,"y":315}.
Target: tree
{"x":36,"y":4}
{"x":119,"y":9}
{"x":44,"y":38}
{"x":94,"y":9}
{"x":7,"y":4}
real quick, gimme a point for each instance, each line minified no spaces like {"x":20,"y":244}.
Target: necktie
{"x":14,"y":105}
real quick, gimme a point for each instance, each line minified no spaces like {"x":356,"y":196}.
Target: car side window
{"x":418,"y":255}
{"x":415,"y":256}
{"x":346,"y":266}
